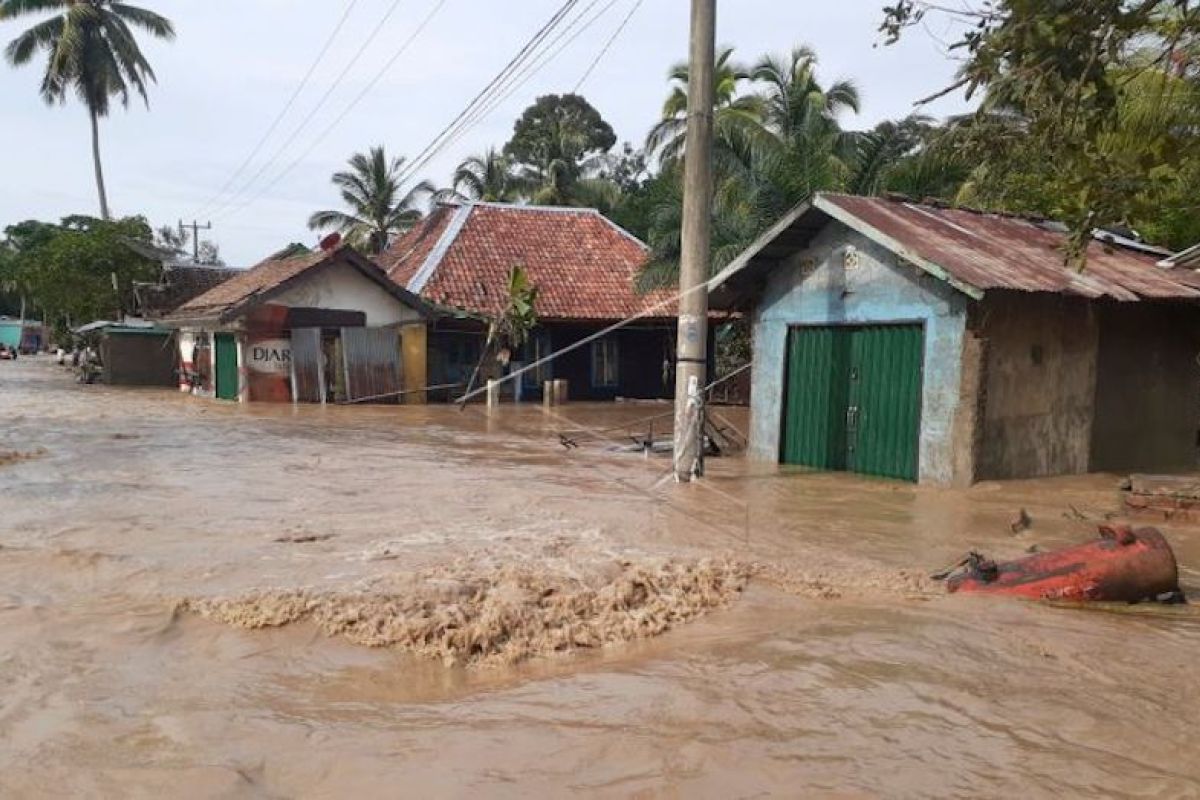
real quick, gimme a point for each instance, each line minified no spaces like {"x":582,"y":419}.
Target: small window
{"x":605,"y":357}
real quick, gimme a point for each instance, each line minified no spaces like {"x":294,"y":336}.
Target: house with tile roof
{"x":949,"y":346}
{"x":584,"y":266}
{"x":310,"y":326}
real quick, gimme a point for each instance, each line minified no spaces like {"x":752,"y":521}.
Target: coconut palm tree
{"x":90,"y":50}
{"x":488,"y":177}
{"x":378,"y":205}
{"x":809,"y":150}
{"x":737,"y":121}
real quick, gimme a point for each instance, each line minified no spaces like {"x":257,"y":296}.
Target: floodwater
{"x":188,"y":589}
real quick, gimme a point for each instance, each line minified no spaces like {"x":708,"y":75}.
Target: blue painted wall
{"x":814,"y":287}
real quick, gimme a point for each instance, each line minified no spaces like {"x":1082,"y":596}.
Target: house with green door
{"x":948,"y":346}
{"x":302,"y":326}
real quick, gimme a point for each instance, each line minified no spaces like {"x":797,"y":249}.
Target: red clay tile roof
{"x":260,"y":278}
{"x":582,"y":264}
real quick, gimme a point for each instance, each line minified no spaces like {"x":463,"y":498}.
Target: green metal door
{"x":227,"y":368}
{"x":814,"y":431}
{"x":854,"y":399}
{"x":883,"y":415}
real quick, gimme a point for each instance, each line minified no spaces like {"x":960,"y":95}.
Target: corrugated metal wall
{"x":372,"y":364}
{"x":308,"y":368}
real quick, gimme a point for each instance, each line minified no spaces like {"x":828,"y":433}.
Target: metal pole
{"x":692,"y":354}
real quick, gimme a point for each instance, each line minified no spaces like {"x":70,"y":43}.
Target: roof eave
{"x":887,"y":242}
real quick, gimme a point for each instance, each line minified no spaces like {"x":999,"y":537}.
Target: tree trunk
{"x":99,"y":170}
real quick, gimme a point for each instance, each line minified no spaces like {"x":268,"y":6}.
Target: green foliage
{"x":778,"y":139}
{"x":91,"y":51}
{"x":511,"y":328}
{"x":378,"y":204}
{"x":488,"y":177}
{"x":1088,"y":110}
{"x":558,"y":152}
{"x":68,"y":271}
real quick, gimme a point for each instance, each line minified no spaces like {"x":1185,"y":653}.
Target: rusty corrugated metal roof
{"x":996,"y":251}
{"x":977,"y":251}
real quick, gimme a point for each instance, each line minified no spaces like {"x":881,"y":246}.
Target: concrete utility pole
{"x":196,"y":228}
{"x":692,"y":356}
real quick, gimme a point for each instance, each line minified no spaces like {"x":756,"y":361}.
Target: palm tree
{"x":809,"y":151}
{"x":91,"y":49}
{"x":737,"y":120}
{"x":488,"y":177}
{"x":379,"y":207}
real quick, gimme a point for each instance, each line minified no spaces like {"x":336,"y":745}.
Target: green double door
{"x":227,"y":367}
{"x":853,"y":399}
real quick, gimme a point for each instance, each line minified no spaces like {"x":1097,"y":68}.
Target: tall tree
{"x":377,"y":201}
{"x":809,"y":151}
{"x":90,"y":50}
{"x":559,"y":146}
{"x":737,"y":120}
{"x":488,"y":177}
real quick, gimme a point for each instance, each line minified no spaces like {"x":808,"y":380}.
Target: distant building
{"x":949,"y":346}
{"x":315,"y":327}
{"x":132,"y":352}
{"x":179,"y":281}
{"x":459,"y":259}
{"x":28,"y":335}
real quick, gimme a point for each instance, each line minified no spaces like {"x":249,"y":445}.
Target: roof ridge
{"x":535,"y":208}
{"x":421,"y":277}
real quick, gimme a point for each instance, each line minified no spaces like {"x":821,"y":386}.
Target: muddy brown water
{"x":837,"y":672}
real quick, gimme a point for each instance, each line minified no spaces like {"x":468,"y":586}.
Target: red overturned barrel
{"x":1123,"y":565}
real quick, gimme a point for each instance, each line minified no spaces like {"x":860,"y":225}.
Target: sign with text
{"x":270,"y":356}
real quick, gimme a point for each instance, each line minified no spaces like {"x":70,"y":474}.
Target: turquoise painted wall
{"x":10,"y":332}
{"x":815,"y":287}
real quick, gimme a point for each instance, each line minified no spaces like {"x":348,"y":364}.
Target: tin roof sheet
{"x":979,"y":251}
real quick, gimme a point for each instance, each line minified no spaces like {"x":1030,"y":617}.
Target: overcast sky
{"x":236,"y":62}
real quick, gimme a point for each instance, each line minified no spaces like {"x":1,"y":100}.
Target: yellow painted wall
{"x":414,"y":349}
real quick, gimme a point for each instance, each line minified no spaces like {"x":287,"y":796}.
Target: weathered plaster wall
{"x":815,"y":287}
{"x":343,"y":287}
{"x":1040,"y":383}
{"x":1147,"y":388}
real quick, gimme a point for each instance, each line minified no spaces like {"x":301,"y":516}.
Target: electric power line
{"x":361,"y":50}
{"x":437,"y":6}
{"x":518,"y":80}
{"x":608,"y":45}
{"x":443,"y":137}
{"x":508,"y":88}
{"x":237,"y":173}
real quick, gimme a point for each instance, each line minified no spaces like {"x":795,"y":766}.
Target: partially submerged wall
{"x":1039,"y":384}
{"x":138,"y":359}
{"x":816,"y":287}
{"x":1147,"y":388}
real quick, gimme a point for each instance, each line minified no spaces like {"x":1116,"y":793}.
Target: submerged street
{"x":219,"y":600}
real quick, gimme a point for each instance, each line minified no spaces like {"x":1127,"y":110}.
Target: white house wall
{"x":341,"y":286}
